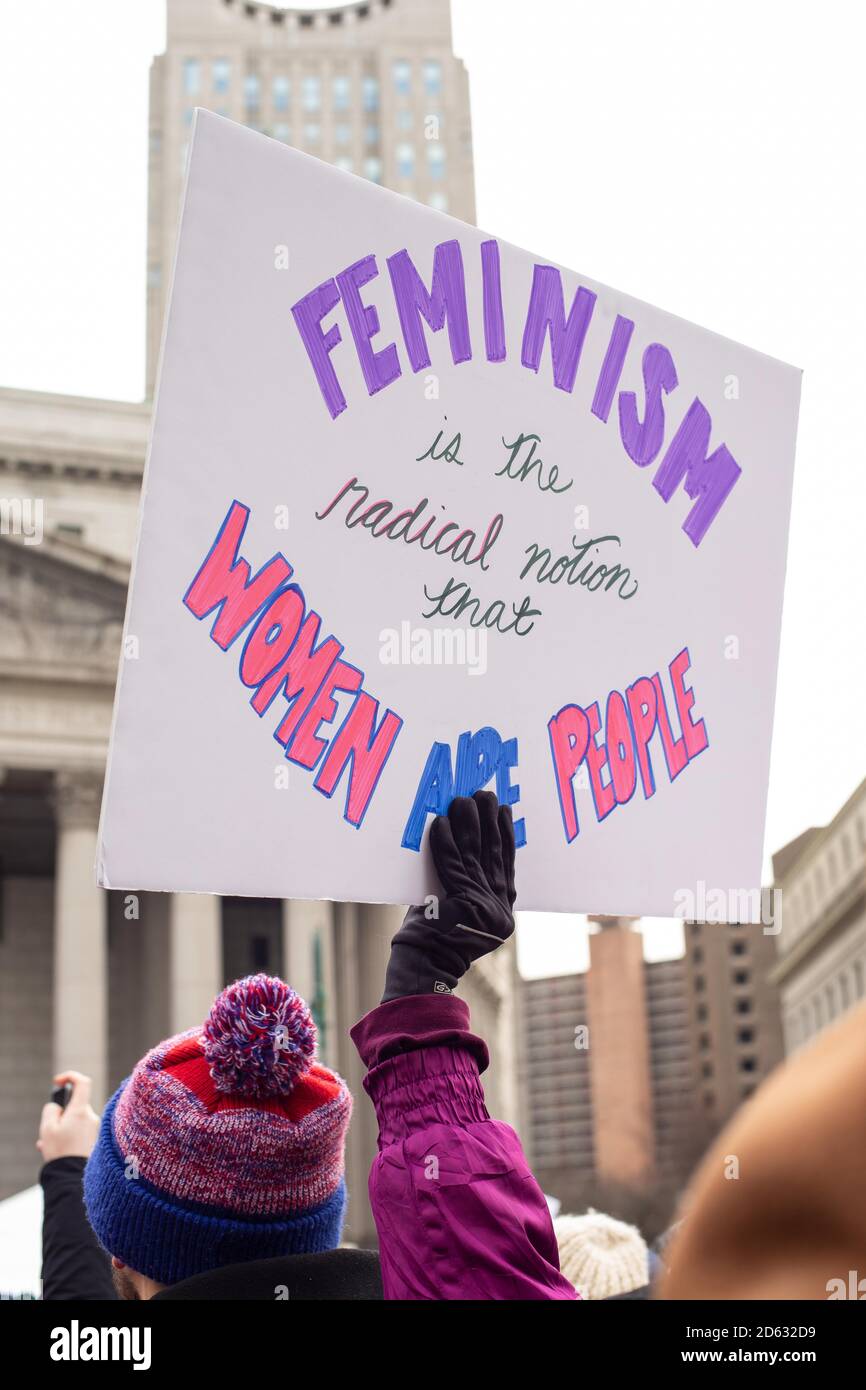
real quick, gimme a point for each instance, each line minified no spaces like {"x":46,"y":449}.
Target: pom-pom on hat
{"x":225,"y":1144}
{"x":259,"y":1038}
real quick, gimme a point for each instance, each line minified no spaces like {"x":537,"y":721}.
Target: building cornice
{"x":819,"y":839}
{"x":370,"y":20}
{"x":71,"y":555}
{"x":833,"y":920}
{"x":72,"y":437}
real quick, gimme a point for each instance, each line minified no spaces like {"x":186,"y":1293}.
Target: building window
{"x":707,"y":1070}
{"x":405,"y":119}
{"x":371,"y":133}
{"x":739,"y":948}
{"x":405,"y":161}
{"x":373,"y":169}
{"x":342,"y":134}
{"x":435,"y":160}
{"x":311,"y":93}
{"x":741,"y":977}
{"x":344,"y":163}
{"x":312,"y":133}
{"x":251,"y":93}
{"x":221,"y":73}
{"x":432,"y":77}
{"x":709,"y":1100}
{"x":342,"y":92}
{"x":698,"y":955}
{"x":402,"y":74}
{"x":370,"y":94}
{"x":700,"y":983}
{"x":743,"y":1006}
{"x":704,"y":1042}
{"x":745,"y":1035}
{"x":282,"y":132}
{"x":439,"y":201}
{"x":281,"y":91}
{"x":747,"y":1091}
{"x":702,"y":1013}
{"x":748,"y":1064}
{"x":191,"y":76}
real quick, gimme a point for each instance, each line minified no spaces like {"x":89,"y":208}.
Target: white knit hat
{"x":601,"y":1256}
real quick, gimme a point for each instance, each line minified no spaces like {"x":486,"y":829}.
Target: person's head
{"x":225,"y":1144}
{"x":600,"y":1256}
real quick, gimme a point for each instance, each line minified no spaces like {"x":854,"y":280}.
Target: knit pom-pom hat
{"x":225,"y":1144}
{"x":601,"y":1256}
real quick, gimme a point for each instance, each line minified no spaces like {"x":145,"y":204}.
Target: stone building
{"x":628,"y":1069}
{"x":736,"y":1032}
{"x":821,"y":965}
{"x":90,"y":979}
{"x":374,"y":88}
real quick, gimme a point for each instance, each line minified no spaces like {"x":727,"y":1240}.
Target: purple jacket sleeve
{"x":458,"y":1211}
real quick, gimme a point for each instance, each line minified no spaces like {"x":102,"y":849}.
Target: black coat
{"x":337,"y":1274}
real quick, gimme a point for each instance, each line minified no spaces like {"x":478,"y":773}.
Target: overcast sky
{"x":708,"y":158}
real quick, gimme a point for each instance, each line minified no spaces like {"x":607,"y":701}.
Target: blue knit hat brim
{"x":168,"y":1240}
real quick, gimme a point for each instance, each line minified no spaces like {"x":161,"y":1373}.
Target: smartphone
{"x":61,"y":1094}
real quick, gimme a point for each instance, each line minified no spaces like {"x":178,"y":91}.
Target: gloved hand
{"x":473,"y":851}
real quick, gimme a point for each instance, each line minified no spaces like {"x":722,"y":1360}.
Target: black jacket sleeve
{"x":74,"y":1266}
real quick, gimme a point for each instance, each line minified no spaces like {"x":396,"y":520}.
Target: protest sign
{"x":422,"y":513}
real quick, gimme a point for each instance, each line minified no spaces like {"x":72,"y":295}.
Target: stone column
{"x":80,"y":934}
{"x":308,"y":966}
{"x":363,"y":934}
{"x":195,"y":958}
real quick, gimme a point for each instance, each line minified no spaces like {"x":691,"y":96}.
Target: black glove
{"x":473,"y":851}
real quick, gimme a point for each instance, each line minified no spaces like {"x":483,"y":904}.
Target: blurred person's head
{"x":226,"y":1144}
{"x":600,"y":1256}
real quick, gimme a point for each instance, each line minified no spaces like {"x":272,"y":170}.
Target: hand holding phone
{"x":69,"y":1124}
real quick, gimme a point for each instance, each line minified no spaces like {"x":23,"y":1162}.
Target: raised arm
{"x":73,"y":1265}
{"x":458,"y":1211}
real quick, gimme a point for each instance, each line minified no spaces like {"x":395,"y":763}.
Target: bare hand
{"x":69,"y":1133}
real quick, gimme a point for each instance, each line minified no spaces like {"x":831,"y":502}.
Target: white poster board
{"x":423,"y":511}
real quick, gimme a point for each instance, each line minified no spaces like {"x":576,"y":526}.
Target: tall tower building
{"x":619,"y":1053}
{"x":373,"y":88}
{"x":91,"y":979}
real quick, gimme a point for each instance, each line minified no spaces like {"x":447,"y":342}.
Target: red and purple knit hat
{"x":225,"y":1144}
